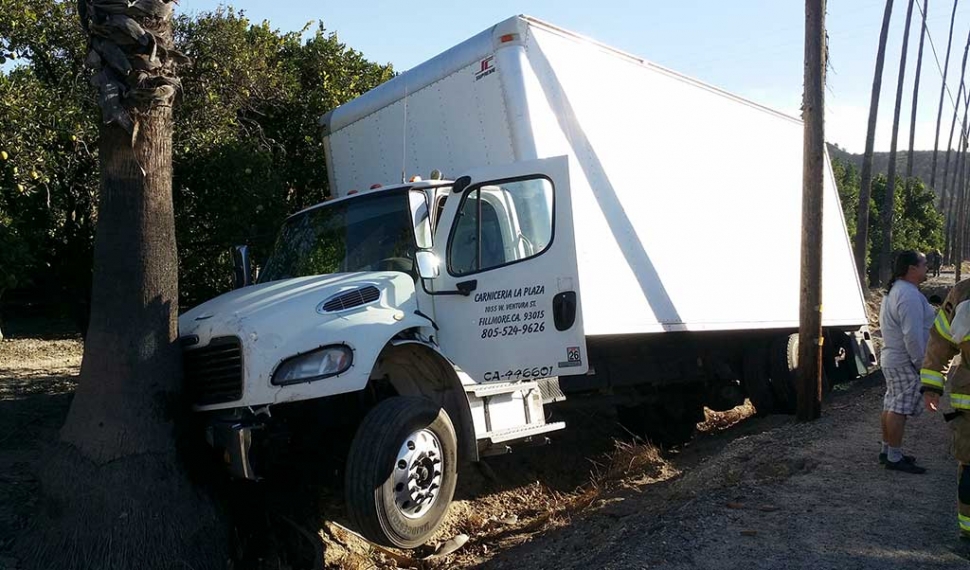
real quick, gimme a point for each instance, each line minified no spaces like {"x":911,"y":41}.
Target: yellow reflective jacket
{"x":950,"y":336}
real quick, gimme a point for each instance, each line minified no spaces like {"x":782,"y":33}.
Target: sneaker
{"x":883,"y":458}
{"x":905,"y":467}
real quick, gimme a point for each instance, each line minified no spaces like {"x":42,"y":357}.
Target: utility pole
{"x":810,"y":307}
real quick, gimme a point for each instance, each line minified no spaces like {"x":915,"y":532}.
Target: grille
{"x":213,"y":373}
{"x":350,"y":299}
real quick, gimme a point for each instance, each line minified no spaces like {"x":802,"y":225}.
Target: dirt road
{"x":791,"y":496}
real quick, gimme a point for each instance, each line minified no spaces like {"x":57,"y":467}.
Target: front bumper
{"x":233,"y":439}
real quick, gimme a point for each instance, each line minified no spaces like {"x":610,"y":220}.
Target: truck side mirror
{"x":428,"y":264}
{"x":242,"y":269}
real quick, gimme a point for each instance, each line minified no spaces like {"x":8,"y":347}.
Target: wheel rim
{"x":417,"y":474}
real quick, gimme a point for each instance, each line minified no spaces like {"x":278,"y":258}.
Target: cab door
{"x":507,"y":298}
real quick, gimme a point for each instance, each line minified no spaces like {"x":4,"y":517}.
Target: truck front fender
{"x":418,"y":368}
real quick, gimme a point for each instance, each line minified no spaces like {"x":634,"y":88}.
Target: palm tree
{"x":958,"y":215}
{"x":946,"y":201}
{"x":939,"y":112}
{"x":865,"y":189}
{"x":919,"y":67}
{"x":123,"y":499}
{"x":884,"y":267}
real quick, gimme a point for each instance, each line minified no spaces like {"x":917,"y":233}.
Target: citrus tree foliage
{"x":48,"y":146}
{"x":916,"y":222}
{"x":847,"y":181}
{"x":247,"y":151}
{"x":247,"y":146}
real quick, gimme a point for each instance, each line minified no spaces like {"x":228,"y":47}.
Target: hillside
{"x":922,"y":163}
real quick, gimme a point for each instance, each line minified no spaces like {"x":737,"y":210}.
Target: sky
{"x":753,"y":48}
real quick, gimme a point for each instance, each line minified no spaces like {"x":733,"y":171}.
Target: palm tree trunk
{"x":889,"y":203}
{"x":946,"y":198}
{"x":961,"y":199}
{"x":865,"y":188}
{"x":950,"y":209}
{"x":939,"y":112}
{"x":912,"y":123}
{"x":123,"y":498}
{"x":960,"y":219}
{"x":944,"y":195}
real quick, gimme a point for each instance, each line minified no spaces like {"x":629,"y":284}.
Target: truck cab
{"x":453,"y":305}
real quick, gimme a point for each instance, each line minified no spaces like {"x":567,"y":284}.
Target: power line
{"x":939,"y":68}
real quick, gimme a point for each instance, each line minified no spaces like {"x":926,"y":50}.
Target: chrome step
{"x":493,"y":388}
{"x":523,"y":432}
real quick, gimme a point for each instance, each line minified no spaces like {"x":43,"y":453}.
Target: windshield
{"x":370,"y":233}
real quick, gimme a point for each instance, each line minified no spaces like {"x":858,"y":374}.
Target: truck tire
{"x":784,"y":373}
{"x":401,"y":471}
{"x":756,"y":379}
{"x":783,"y":361}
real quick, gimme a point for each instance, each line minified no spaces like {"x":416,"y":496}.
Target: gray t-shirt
{"x":905,"y":319}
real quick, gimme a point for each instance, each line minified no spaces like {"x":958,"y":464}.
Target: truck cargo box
{"x":686,"y":199}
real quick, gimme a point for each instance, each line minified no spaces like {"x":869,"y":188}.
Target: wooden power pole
{"x":810,"y":308}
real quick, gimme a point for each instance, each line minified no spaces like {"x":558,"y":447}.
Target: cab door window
{"x":501,"y":223}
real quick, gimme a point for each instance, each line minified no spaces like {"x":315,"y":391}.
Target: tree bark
{"x":865,"y":188}
{"x":888,"y":205}
{"x":939,"y":112}
{"x":116,"y":494}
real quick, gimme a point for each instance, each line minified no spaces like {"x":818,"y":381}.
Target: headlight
{"x":315,"y":365}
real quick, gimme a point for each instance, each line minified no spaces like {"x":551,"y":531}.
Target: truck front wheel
{"x":401,"y":471}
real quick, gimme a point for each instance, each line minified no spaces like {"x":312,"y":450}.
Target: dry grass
{"x":31,"y":366}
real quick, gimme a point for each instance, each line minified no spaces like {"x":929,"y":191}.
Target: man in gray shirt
{"x":905,"y":319}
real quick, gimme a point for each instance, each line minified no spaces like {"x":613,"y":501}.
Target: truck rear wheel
{"x":783,"y":362}
{"x":401,"y":471}
{"x":784,"y":373}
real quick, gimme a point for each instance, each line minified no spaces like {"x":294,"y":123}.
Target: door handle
{"x":466,"y":287}
{"x":564,"y":310}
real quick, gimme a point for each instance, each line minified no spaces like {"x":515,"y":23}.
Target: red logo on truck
{"x":486,"y":67}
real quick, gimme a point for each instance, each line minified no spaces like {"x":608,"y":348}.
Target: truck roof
{"x":416,"y":185}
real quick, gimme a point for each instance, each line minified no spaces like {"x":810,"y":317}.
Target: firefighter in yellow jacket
{"x":951,"y":336}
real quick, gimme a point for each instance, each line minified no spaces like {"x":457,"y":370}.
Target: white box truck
{"x":607,"y":229}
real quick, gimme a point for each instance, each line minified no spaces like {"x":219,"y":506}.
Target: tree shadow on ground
{"x":28,"y":427}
